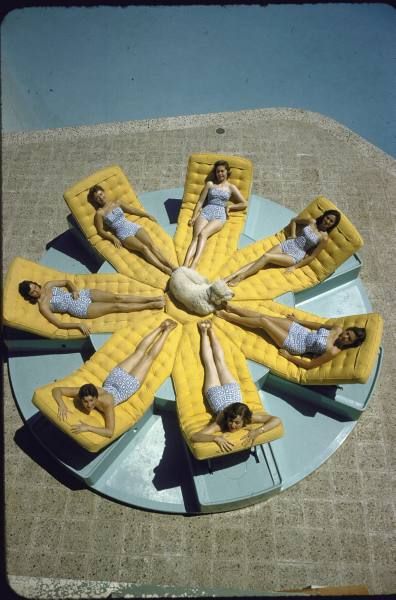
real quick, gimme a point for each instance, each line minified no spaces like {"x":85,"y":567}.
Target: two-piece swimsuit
{"x":298,"y":247}
{"x":215,"y":209}
{"x":121,"y":385}
{"x":301,"y":340}
{"x":120,"y":225}
{"x":63,"y":302}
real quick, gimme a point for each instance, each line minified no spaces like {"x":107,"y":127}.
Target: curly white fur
{"x":196,"y":293}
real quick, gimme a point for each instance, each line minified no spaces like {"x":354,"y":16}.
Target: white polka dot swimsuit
{"x":119,"y":224}
{"x":297,"y":247}
{"x":215,"y":209}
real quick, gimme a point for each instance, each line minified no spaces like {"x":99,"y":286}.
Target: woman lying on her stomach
{"x":223,"y":395}
{"x":121,"y":383}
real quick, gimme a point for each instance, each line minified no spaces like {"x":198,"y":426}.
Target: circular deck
{"x":150,"y":466}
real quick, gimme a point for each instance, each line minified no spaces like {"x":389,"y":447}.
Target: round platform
{"x":150,"y":466}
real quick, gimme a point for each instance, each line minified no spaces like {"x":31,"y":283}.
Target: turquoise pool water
{"x":81,"y":66}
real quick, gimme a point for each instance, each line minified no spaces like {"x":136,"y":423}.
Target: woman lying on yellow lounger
{"x":122,"y":382}
{"x":292,"y":336}
{"x":123,"y":232}
{"x":83,"y":304}
{"x":210,"y":219}
{"x":294,"y":252}
{"x":223,"y":395}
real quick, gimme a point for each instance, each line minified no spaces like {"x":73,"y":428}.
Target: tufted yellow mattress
{"x":222,"y":244}
{"x":353,"y":365}
{"x":95,"y":371}
{"x":188,"y":376}
{"x":117,"y":187}
{"x":271,"y":282}
{"x":20,"y":314}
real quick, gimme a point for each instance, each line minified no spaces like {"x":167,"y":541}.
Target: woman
{"x":83,"y":304}
{"x":121,"y":383}
{"x":123,"y":232}
{"x":294,"y":336}
{"x":294,"y":252}
{"x":210,"y":219}
{"x":223,"y":395}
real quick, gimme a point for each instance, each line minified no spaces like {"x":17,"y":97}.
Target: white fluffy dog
{"x":195,"y":292}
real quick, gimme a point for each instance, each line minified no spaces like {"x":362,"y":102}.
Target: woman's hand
{"x":117,"y":243}
{"x":291,"y":317}
{"x":151,"y":218}
{"x":62,"y":411}
{"x":250,"y":436}
{"x":80,"y":427}
{"x":284,"y":353}
{"x":192,"y":221}
{"x":75,"y":294}
{"x":224,"y":444}
{"x":291,"y":269}
{"x":84,"y":329}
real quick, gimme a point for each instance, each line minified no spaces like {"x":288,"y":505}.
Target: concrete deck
{"x":335,"y":527}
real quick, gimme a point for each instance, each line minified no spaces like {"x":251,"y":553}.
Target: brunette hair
{"x":335,"y":214}
{"x":88,"y":389}
{"x":237,"y":409}
{"x":360,"y":333}
{"x":91,"y":194}
{"x":24,"y":290}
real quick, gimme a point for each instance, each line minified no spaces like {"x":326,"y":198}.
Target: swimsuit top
{"x":115,"y":218}
{"x":218,"y":196}
{"x":308,"y":238}
{"x":316,"y":341}
{"x":60,"y":300}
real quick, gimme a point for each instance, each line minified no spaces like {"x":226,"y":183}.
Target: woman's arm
{"x":198,"y":206}
{"x":138,"y":212}
{"x":309,"y":324}
{"x":64,"y":283}
{"x":212,"y":433}
{"x":107,"y":235}
{"x":57,"y":393}
{"x":49,"y":315}
{"x":308,"y":364}
{"x":268,"y":422}
{"x":309,"y":257}
{"x":240,"y":203}
{"x":106,"y":431}
{"x":294,"y":222}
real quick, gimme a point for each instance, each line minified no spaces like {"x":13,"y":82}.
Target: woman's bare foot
{"x":168,"y":324}
{"x":204,"y":326}
{"x":223,"y":314}
{"x":234,"y":281}
{"x":156,"y":303}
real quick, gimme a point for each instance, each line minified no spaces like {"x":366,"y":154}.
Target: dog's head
{"x":219,"y":292}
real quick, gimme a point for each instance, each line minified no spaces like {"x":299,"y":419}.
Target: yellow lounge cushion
{"x":117,"y":187}
{"x":95,"y":370}
{"x":271,"y":282}
{"x":20,"y":314}
{"x":193,"y":413}
{"x":352,"y":365}
{"x":222,"y":244}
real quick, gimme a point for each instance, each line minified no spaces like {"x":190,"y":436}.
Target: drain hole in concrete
{"x":220,"y":130}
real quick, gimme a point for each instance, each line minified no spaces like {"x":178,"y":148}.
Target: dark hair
{"x":88,"y":389}
{"x":91,"y":194}
{"x":237,"y":409}
{"x":335,"y":214}
{"x":360,"y":333}
{"x":24,"y":290}
{"x":221,"y":163}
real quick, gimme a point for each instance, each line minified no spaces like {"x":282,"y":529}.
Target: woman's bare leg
{"x":99,"y":309}
{"x":133,"y":360}
{"x":135,"y":245}
{"x":276,"y":327}
{"x":273,"y":256}
{"x":105,"y":296}
{"x":145,"y":238}
{"x":211,"y":377}
{"x":224,"y":374}
{"x":211,"y":228}
{"x":199,"y":224}
{"x":141,"y":369}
